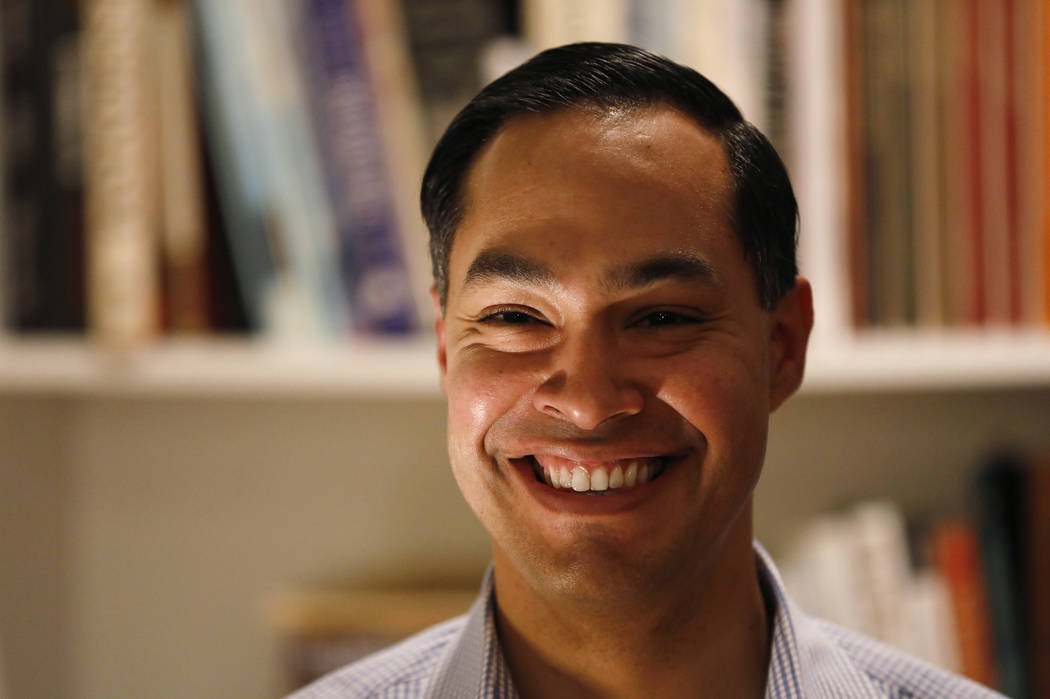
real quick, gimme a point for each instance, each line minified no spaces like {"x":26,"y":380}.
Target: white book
{"x":120,"y":174}
{"x":929,"y":631}
{"x":819,"y":168}
{"x":882,"y":554}
{"x":550,"y":23}
{"x":728,"y":44}
{"x":293,"y":179}
{"x":823,"y":573}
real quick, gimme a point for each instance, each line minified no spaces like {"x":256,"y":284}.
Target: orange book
{"x":1045,"y":87}
{"x":954,"y":552}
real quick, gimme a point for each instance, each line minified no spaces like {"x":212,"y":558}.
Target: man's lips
{"x":595,"y":477}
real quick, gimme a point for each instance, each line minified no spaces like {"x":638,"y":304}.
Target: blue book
{"x":376,"y":276}
{"x":270,"y":177}
{"x":227,"y":127}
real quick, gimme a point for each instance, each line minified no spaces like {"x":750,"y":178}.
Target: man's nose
{"x":587,"y":387}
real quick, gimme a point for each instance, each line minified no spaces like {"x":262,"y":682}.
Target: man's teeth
{"x":600,"y":479}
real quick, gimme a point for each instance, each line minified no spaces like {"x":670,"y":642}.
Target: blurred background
{"x":222,"y":460}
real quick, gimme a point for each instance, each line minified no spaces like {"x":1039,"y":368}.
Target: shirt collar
{"x":474,"y":666}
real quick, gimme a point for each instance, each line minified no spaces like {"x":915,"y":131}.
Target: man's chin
{"x":596,"y":571}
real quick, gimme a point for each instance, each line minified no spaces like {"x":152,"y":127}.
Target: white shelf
{"x":221,"y":367}
{"x":869,"y":362}
{"x":915,"y":361}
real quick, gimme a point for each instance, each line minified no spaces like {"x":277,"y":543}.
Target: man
{"x":619,"y":313}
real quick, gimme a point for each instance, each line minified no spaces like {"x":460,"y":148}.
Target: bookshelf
{"x":178,"y":484}
{"x":870,"y":362}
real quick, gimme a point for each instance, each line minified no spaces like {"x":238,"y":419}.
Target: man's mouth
{"x":596,"y":478}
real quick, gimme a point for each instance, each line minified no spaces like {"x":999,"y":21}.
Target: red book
{"x":955,"y":554}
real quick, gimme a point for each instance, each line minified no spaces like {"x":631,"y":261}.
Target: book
{"x":997,"y":225}
{"x":402,"y":127}
{"x":120,"y":174}
{"x":271,"y":184}
{"x":310,"y":302}
{"x":954,"y":175}
{"x":183,"y":234}
{"x":43,"y":205}
{"x":550,"y":23}
{"x":1001,"y":517}
{"x":888,"y":185}
{"x":375,"y":275}
{"x":236,"y":163}
{"x":1037,"y":582}
{"x":927,"y":115}
{"x":816,"y":46}
{"x":973,"y":307}
{"x":825,"y":575}
{"x":1043,"y":88}
{"x":954,"y":551}
{"x":859,"y":247}
{"x":928,"y":625}
{"x":1031,"y":35}
{"x":881,"y":545}
{"x":445,"y":40}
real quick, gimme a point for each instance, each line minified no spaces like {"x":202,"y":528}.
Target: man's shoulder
{"x":402,"y":670}
{"x":898,"y":675}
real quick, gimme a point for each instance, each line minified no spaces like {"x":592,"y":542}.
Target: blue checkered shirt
{"x":461,"y":659}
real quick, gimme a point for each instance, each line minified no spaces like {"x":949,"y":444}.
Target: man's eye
{"x":665,"y":318}
{"x":509,"y":318}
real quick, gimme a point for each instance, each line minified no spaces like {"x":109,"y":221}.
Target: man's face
{"x":602,"y":328}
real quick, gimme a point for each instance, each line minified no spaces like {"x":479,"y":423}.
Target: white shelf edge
{"x":870,"y":362}
{"x":884,"y":360}
{"x":221,"y":368}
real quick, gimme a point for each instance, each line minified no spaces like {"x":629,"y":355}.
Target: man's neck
{"x":709,"y":635}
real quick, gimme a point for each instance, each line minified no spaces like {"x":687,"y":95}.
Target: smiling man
{"x":619,"y":314}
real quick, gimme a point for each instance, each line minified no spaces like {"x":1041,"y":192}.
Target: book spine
{"x":1001,"y":517}
{"x":859,"y":249}
{"x":975,"y":309}
{"x":376,"y":277}
{"x":953,"y":150}
{"x":882,"y":549}
{"x":816,"y":51}
{"x":553,"y":23}
{"x":183,"y":226}
{"x":1038,"y":574}
{"x":954,"y":552}
{"x":889,"y":189}
{"x":309,"y":301}
{"x":121,"y":186}
{"x":1044,"y":88}
{"x":925,"y":159}
{"x":403,"y":128}
{"x":1028,"y":91}
{"x":42,"y":179}
{"x":994,"y":174}
{"x":229,"y":129}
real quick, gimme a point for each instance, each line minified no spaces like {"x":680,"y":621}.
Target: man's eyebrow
{"x":495,"y":264}
{"x":684,"y":266}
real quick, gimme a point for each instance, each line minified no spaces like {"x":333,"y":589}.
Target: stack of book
{"x":192,"y":166}
{"x":968,"y":593}
{"x":947,"y":128}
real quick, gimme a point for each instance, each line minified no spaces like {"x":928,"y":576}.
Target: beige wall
{"x":140,"y":536}
{"x":35,"y":557}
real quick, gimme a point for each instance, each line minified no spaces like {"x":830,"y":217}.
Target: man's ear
{"x":439,"y":331}
{"x":792,"y":322}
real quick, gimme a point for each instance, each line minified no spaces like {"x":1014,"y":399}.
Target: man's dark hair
{"x":617,"y":76}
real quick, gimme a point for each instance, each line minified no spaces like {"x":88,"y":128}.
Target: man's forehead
{"x":495,"y":265}
{"x":654,"y":133}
